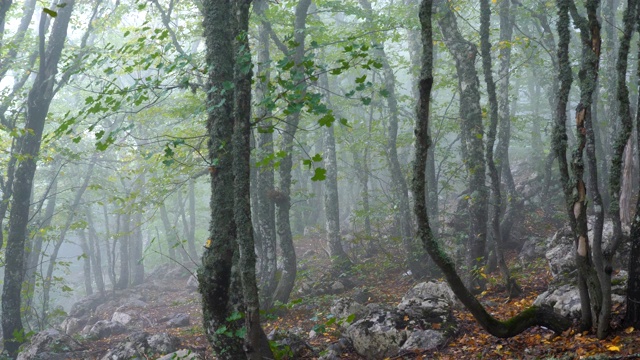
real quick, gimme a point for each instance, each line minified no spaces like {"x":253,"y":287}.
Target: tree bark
{"x":472,"y":133}
{"x":485,"y":21}
{"x":283,"y":195}
{"x":531,"y":316}
{"x":38,"y":102}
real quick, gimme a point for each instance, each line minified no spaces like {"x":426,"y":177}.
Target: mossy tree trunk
{"x":231,"y":309}
{"x":38,"y":102}
{"x":530,"y":317}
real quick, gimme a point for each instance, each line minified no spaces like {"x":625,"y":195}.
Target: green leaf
{"x":365,"y":100}
{"x":50,"y":12}
{"x":361,"y":79}
{"x":221,"y":330}
{"x":326,"y":120}
{"x":350,"y":318}
{"x":319,"y":175}
{"x":317,"y":158}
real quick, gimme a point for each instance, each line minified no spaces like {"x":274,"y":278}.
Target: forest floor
{"x":387,"y":283}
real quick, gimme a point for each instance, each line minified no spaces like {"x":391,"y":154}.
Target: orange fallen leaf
{"x":629,"y":330}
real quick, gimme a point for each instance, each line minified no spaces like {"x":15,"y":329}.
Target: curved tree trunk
{"x":530,"y":317}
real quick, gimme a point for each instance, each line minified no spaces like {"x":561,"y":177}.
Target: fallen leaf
{"x":613,"y":348}
{"x":629,"y":330}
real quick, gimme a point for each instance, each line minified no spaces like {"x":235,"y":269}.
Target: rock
{"x":361,"y":295}
{"x":47,"y":344}
{"x":430,"y":289}
{"x":163,"y":343}
{"x":183,"y":354}
{"x":533,"y":248}
{"x":133,"y":303}
{"x":560,"y":253}
{"x":106,"y":328}
{"x":73,"y":325}
{"x":133,"y":347}
{"x":337,"y":287}
{"x":376,"y":336}
{"x":423,"y":340}
{"x":335,"y":349}
{"x":565,"y":300}
{"x":179,"y":320}
{"x":345,"y":307}
{"x":122,"y":318}
{"x":429,"y":309}
{"x":292,"y":341}
{"x":87,"y":305}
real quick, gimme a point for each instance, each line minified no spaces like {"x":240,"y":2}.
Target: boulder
{"x":422,"y":340}
{"x":377,"y":335}
{"x":532,"y":248}
{"x":182,"y":354}
{"x":106,"y":328}
{"x":178,"y":320}
{"x":163,"y":343}
{"x":72,"y":325}
{"x":140,"y":345}
{"x":343,"y":308}
{"x":430,"y":290}
{"x":121,"y":317}
{"x":87,"y":305}
{"x":47,"y":344}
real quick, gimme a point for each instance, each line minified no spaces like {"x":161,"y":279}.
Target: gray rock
{"x":423,"y":340}
{"x":430,"y":289}
{"x":47,"y":344}
{"x":87,"y":305}
{"x":179,"y":320}
{"x":106,"y":328}
{"x":73,"y":325}
{"x":345,"y":307}
{"x":376,"y":336}
{"x":565,"y":300}
{"x":533,"y":248}
{"x":183,"y":354}
{"x":121,"y":317}
{"x":337,"y":287}
{"x":133,"y":303}
{"x":134,"y":347}
{"x":163,"y":343}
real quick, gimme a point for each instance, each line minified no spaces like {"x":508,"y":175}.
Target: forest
{"x":320,"y":179}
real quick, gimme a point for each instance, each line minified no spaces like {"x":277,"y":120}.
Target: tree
{"x":39,"y":100}
{"x":227,"y":276}
{"x":472,"y":135}
{"x":531,"y":316}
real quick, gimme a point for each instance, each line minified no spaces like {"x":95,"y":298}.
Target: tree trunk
{"x":219,"y":279}
{"x":485,"y":19}
{"x":283,"y":194}
{"x":38,"y":102}
{"x":464,"y":53}
{"x":266,"y":221}
{"x":414,"y":253}
{"x":86,"y":262}
{"x":256,"y":343}
{"x":95,"y":252}
{"x":530,"y":317}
